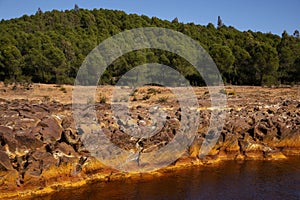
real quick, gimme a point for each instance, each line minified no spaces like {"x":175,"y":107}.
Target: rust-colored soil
{"x":42,"y":152}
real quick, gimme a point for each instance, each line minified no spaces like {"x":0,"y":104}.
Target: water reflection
{"x":230,"y":180}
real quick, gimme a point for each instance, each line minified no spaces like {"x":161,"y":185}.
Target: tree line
{"x":49,"y":47}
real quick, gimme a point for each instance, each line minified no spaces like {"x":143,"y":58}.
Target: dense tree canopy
{"x":49,"y":47}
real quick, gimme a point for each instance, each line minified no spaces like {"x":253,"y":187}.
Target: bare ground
{"x":41,"y":151}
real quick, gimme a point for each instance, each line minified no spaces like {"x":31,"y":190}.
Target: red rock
{"x":28,"y":140}
{"x":51,"y":130}
{"x":7,"y":137}
{"x":5,"y":163}
{"x":65,"y":149}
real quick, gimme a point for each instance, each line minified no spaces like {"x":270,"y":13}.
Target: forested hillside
{"x":49,"y":47}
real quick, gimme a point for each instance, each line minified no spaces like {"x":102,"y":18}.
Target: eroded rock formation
{"x":39,"y":143}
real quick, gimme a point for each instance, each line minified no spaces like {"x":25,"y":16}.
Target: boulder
{"x":70,"y":136}
{"x":7,"y":137}
{"x":51,"y":129}
{"x":265,"y":132}
{"x":27,"y":140}
{"x":275,"y":155}
{"x":230,"y":145}
{"x":250,"y":148}
{"x":5,"y":163}
{"x":65,"y":149}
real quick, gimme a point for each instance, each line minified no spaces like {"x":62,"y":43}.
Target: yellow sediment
{"x":84,"y":179}
{"x":95,"y":171}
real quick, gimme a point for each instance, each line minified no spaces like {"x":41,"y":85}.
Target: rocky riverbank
{"x":41,"y":151}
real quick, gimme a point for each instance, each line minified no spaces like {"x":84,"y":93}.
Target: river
{"x":228,"y":180}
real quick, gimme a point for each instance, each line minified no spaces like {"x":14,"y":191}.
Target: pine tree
{"x":76,"y":7}
{"x":220,"y":23}
{"x":175,"y":20}
{"x":296,"y":34}
{"x":39,"y":11}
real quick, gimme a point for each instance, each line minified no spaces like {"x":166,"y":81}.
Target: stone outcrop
{"x":39,"y":142}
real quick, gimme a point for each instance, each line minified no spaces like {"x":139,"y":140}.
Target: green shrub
{"x":269,"y":80}
{"x":146,"y":97}
{"x":63,"y":89}
{"x":231,"y":92}
{"x":102,"y":99}
{"x":46,"y":98}
{"x":223,"y":91}
{"x":162,"y":99}
{"x":7,"y":82}
{"x":152,"y":91}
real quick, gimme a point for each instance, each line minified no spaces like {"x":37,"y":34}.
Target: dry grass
{"x":63,"y":93}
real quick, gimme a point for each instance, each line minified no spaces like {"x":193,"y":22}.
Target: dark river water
{"x":229,"y":180}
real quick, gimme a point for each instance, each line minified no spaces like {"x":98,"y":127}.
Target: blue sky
{"x":257,"y":15}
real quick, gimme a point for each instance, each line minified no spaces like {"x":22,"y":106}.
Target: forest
{"x":50,"y":47}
